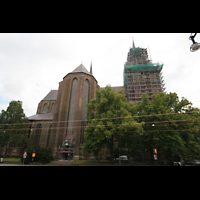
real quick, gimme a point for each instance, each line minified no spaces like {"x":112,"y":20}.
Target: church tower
{"x":141,"y":75}
{"x":69,"y":119}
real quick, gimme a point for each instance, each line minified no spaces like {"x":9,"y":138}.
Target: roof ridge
{"x":81,"y":68}
{"x":52,"y":95}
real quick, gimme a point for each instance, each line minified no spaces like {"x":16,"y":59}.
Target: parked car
{"x":188,"y":162}
{"x":192,"y":162}
{"x":195,"y":162}
{"x":122,"y":158}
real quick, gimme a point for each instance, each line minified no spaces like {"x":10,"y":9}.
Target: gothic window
{"x":52,"y":107}
{"x":48,"y":137}
{"x":84,"y":109}
{"x":72,"y":107}
{"x":37,"y":134}
{"x":45,"y":107}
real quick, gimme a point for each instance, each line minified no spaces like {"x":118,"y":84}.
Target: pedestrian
{"x":182,"y":163}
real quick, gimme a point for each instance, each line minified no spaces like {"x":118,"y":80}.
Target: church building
{"x":61,"y":116}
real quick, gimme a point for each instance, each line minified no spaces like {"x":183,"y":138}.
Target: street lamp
{"x":195,"y":46}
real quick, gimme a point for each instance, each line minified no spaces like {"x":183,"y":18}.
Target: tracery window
{"x":72,"y":107}
{"x":84,"y":109}
{"x":37,"y":134}
{"x":48,"y":137}
{"x":45,"y":107}
{"x":52,"y":107}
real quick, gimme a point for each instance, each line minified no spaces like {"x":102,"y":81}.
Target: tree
{"x":42,"y":154}
{"x":13,"y":126}
{"x":110,"y":121}
{"x":171,"y":126}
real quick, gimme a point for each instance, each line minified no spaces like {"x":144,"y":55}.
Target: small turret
{"x":91,"y":69}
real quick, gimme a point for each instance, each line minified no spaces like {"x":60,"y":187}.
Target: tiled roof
{"x":41,"y":116}
{"x":52,"y":95}
{"x":81,"y":68}
{"x":116,"y":88}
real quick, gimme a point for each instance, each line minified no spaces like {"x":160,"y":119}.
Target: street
{"x":5,"y":164}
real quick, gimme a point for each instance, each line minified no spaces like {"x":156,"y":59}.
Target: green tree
{"x":42,"y":154}
{"x":110,"y":121}
{"x":13,"y":126}
{"x":168,"y":127}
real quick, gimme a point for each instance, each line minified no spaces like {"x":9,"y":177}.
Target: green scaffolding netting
{"x":146,"y":67}
{"x":135,"y":51}
{"x":125,"y":78}
{"x":154,"y":66}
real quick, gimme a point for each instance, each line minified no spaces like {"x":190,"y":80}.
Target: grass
{"x":107,"y":163}
{"x":12,"y":159}
{"x":84,"y":162}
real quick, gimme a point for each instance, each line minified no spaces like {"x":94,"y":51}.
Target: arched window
{"x":37,"y":134}
{"x":85,"y":99}
{"x":45,"y":107}
{"x":84,"y":109}
{"x":72,"y":107}
{"x":49,"y":133}
{"x":52,"y":107}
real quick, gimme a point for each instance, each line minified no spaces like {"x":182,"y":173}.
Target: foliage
{"x":109,"y":121}
{"x":167,"y":123}
{"x":13,"y":125}
{"x":174,"y":132}
{"x":42,"y":154}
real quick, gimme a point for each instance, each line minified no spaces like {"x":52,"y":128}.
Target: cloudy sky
{"x":33,"y":64}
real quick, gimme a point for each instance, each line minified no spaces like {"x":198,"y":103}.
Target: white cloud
{"x":33,"y":64}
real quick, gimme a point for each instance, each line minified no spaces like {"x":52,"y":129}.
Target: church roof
{"x":41,"y":116}
{"x":52,"y":95}
{"x":81,"y":68}
{"x":116,"y":88}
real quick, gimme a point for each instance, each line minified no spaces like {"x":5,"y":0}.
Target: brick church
{"x":61,"y":115}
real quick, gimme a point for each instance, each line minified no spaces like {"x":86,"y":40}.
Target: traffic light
{"x":155,"y":151}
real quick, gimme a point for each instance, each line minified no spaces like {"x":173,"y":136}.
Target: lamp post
{"x":195,"y":46}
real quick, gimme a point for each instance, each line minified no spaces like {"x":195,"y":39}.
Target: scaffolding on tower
{"x":141,"y":75}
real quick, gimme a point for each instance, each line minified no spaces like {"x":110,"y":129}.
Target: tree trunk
{"x":111,"y":150}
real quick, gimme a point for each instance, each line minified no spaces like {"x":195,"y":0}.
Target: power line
{"x":136,"y":116}
{"x":106,"y":126}
{"x":144,"y":131}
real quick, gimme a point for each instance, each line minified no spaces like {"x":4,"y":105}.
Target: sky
{"x":33,"y":64}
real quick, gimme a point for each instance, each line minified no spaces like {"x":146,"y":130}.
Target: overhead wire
{"x":158,"y":123}
{"x":135,"y":116}
{"x":109,"y":125}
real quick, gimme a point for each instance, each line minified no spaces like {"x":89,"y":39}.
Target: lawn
{"x":107,"y":163}
{"x":12,"y":159}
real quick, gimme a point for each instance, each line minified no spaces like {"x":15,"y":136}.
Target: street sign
{"x":155,"y":157}
{"x":33,"y":155}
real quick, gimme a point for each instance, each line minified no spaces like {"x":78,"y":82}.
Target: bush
{"x":42,"y":155}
